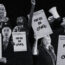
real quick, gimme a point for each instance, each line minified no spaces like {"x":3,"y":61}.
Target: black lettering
{"x":63,"y":45}
{"x":38,"y":28}
{"x":62,"y":38}
{"x":17,"y":37}
{"x":43,"y":26}
{"x":40,"y":18}
{"x":63,"y":57}
{"x":20,"y":44}
{"x":36,"y":20}
{"x":21,"y":37}
{"x":39,"y":23}
{"x":19,"y":40}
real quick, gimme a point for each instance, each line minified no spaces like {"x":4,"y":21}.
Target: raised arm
{"x":31,"y":12}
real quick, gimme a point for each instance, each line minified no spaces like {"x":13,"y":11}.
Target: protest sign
{"x":61,"y":50}
{"x":40,"y":24}
{"x":19,"y":39}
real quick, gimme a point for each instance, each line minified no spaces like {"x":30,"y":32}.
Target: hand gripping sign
{"x":40,"y":24}
{"x":61,"y":50}
{"x":19,"y":39}
{"x":0,"y":47}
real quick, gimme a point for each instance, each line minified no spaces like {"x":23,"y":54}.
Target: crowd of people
{"x":46,"y":49}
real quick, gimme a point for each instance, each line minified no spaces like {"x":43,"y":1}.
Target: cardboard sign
{"x":61,"y":51}
{"x":19,"y":38}
{"x":0,"y":47}
{"x":40,"y":24}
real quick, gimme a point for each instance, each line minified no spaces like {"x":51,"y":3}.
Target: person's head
{"x":2,"y":11}
{"x":21,"y":20}
{"x":6,"y":32}
{"x":46,"y":40}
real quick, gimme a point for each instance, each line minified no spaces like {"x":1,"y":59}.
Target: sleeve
{"x":30,"y":16}
{"x":15,"y":29}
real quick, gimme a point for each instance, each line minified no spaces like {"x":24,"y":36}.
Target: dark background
{"x":17,"y":8}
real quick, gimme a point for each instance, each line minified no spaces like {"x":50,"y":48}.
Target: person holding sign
{"x":6,"y":33}
{"x":58,"y":26}
{"x":49,"y":51}
{"x":55,"y":21}
{"x":42,"y":31}
{"x":23,"y":56}
{"x":3,"y":19}
{"x":6,"y":45}
{"x":46,"y":54}
{"x":40,"y":26}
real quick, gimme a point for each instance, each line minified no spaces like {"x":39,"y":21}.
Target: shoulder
{"x":15,"y":28}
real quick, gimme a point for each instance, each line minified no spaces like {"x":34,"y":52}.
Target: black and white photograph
{"x":32,"y":32}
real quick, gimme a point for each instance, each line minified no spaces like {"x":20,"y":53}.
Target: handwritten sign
{"x":40,"y":24}
{"x":19,"y":38}
{"x":0,"y":46}
{"x":61,"y":50}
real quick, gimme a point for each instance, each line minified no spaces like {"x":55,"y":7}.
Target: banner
{"x":19,"y":39}
{"x":61,"y":50}
{"x":0,"y":46}
{"x":40,"y":24}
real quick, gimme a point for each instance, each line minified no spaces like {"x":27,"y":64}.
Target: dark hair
{"x":25,"y":22}
{"x":24,"y":19}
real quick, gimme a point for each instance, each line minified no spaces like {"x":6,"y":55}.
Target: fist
{"x":33,"y":2}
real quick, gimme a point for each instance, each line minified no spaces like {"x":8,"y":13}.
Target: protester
{"x":25,"y":57}
{"x":55,"y":21}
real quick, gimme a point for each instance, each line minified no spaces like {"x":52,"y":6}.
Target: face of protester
{"x":20,"y":21}
{"x":46,"y":40}
{"x":6,"y":32}
{"x":2,"y":11}
{"x":45,"y":43}
{"x":2,"y":14}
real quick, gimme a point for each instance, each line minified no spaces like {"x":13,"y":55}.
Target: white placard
{"x":0,"y":46}
{"x":40,"y":24}
{"x":19,"y":38}
{"x":61,"y":50}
